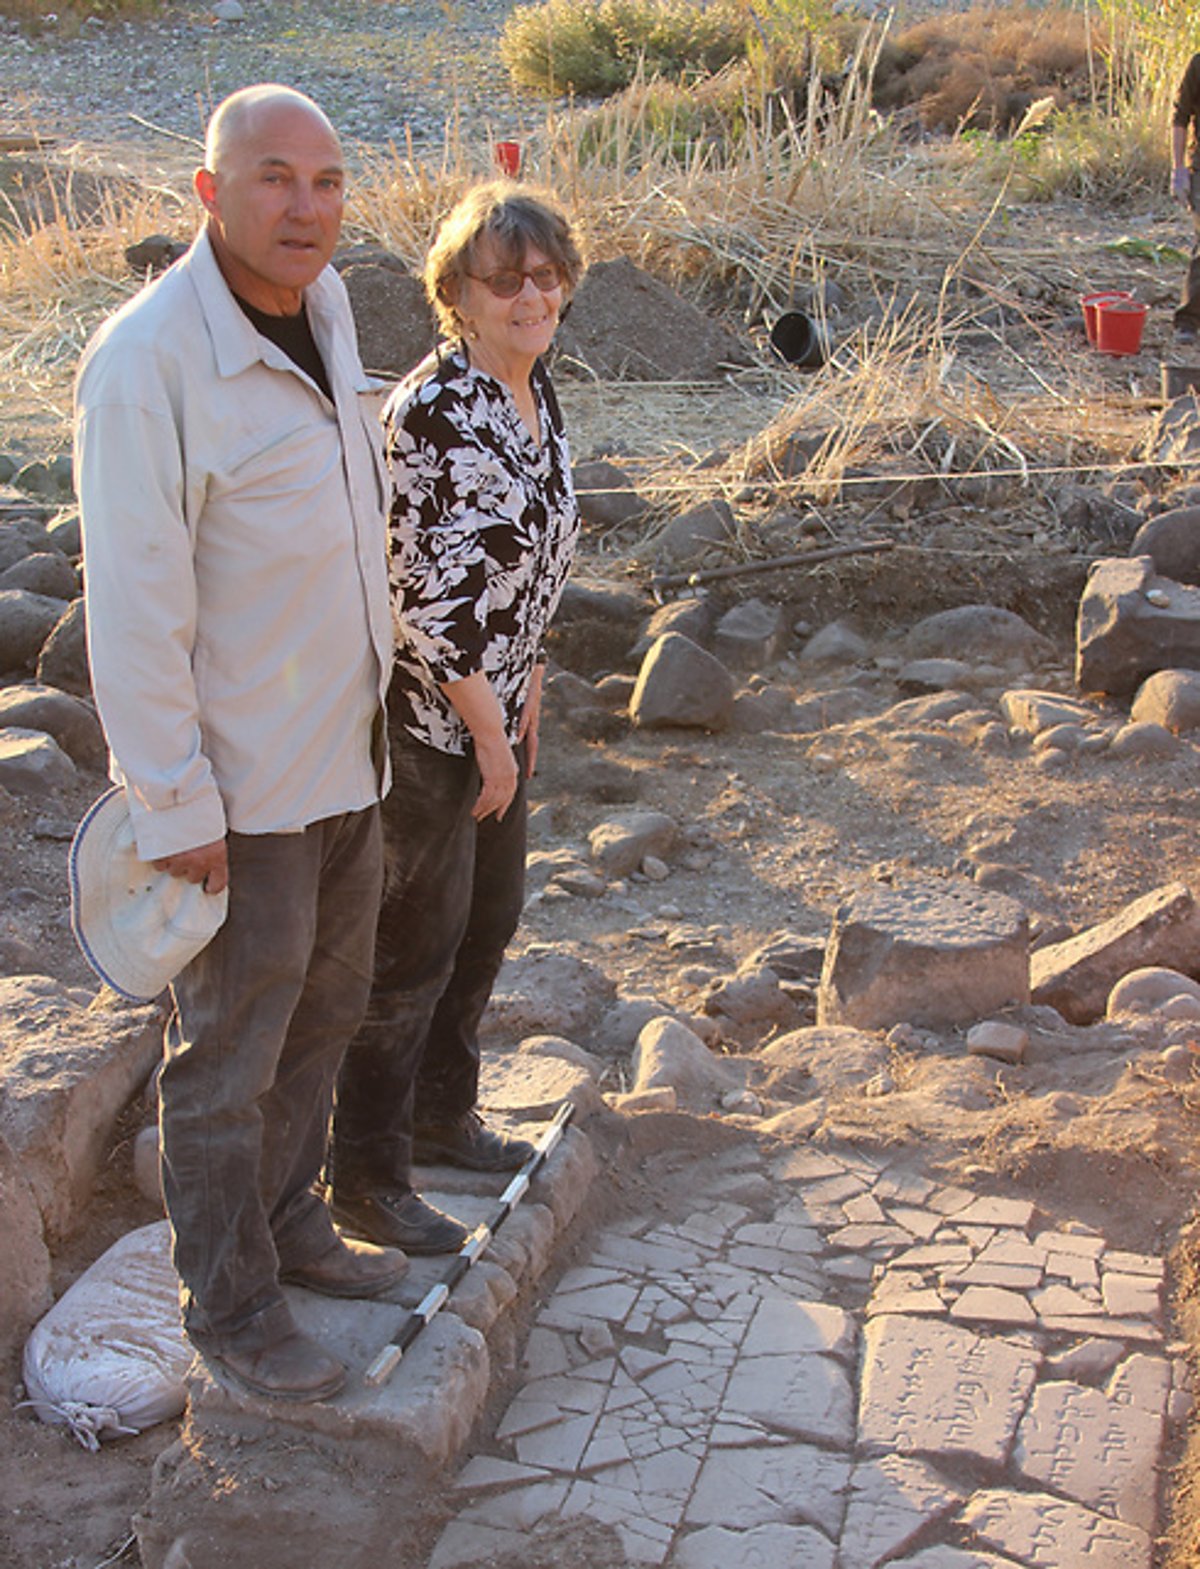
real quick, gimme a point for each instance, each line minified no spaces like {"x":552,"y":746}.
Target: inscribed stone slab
{"x":936,"y":1388}
{"x":891,"y":1501}
{"x":1050,"y":1533}
{"x":1079,"y":1442}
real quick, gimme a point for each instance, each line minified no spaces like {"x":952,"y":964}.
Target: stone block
{"x":691,"y":618}
{"x":1170,"y":698}
{"x":668,"y":1053}
{"x":1030,"y":713}
{"x":680,"y":685}
{"x":1161,"y":929}
{"x":939,"y":1389}
{"x":25,"y":1278}
{"x":835,"y":644}
{"x":532,"y":1087}
{"x":66,"y":1074}
{"x":751,"y":635}
{"x":620,"y":843}
{"x":1132,"y":622}
{"x":44,"y":572}
{"x":690,"y":535}
{"x":1050,"y":1533}
{"x":546,"y":992}
{"x":32,"y":763}
{"x":994,"y":1038}
{"x":934,"y":953}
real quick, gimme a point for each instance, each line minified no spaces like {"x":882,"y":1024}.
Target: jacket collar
{"x":236,"y":343}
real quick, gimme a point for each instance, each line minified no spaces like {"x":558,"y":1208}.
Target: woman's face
{"x":518,"y":329}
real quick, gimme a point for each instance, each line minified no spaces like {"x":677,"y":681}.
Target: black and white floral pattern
{"x":484,"y":524}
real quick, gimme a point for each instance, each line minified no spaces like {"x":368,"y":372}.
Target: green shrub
{"x":596,"y":47}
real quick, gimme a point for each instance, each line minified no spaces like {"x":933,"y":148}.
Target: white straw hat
{"x":137,"y":927}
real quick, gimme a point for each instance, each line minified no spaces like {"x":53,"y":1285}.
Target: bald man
{"x":233,"y":499}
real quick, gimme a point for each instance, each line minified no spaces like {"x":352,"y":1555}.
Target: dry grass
{"x":984,"y":67}
{"x":826,"y":189}
{"x":62,"y":270}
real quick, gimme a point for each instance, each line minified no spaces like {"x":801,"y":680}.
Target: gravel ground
{"x":381,"y":71}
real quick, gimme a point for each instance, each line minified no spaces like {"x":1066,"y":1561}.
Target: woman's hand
{"x":499,"y":777}
{"x":531,"y":718}
{"x":477,"y":705}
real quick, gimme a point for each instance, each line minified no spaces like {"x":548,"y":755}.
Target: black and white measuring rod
{"x":381,"y":1369}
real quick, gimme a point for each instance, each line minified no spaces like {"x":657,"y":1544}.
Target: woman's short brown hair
{"x":514,"y":217}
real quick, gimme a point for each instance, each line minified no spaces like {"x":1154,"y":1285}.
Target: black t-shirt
{"x":294,"y":336}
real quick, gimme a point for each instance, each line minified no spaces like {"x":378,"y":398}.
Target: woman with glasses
{"x":483,"y":526}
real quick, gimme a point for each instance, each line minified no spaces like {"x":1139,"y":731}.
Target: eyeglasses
{"x":508,"y":282}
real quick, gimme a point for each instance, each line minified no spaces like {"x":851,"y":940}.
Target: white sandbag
{"x":110,"y":1356}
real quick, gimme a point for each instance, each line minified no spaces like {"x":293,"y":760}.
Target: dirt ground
{"x":782,"y":829}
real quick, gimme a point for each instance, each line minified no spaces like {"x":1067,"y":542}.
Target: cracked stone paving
{"x":889,"y":1371}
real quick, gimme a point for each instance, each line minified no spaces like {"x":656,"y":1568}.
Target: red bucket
{"x":508,"y":158}
{"x":1119,"y":326}
{"x":1089,"y":302}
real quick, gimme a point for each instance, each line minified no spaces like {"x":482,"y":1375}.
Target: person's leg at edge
{"x":236,"y":1081}
{"x":447,"y":1083}
{"x":1187,"y":314}
{"x":430,"y":850}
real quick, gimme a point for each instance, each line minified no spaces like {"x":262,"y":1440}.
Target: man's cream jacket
{"x":234,"y":525}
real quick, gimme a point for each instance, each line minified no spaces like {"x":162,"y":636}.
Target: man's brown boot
{"x":293,"y":1368}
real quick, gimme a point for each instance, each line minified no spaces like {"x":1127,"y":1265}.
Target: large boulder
{"x":606,"y":495}
{"x":45,"y":572}
{"x":71,"y":722}
{"x":32,"y":763}
{"x":1170,"y":698}
{"x":66,"y":1074}
{"x":681,"y":685}
{"x":63,"y":661}
{"x":933,"y":953}
{"x":1161,"y":929}
{"x":26,"y":621}
{"x":976,"y":632}
{"x":1172,"y":541}
{"x":1131,"y":623}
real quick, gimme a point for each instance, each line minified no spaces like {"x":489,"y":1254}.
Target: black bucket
{"x":798,"y":341}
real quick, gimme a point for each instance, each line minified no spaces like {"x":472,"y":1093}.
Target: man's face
{"x":275,"y":205}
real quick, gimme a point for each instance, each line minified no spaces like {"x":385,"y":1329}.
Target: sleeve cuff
{"x":172,"y":829}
